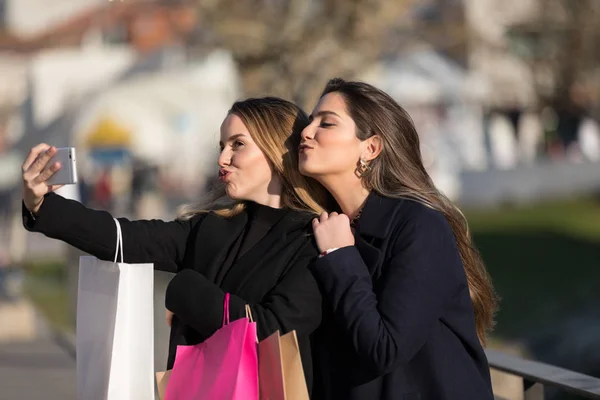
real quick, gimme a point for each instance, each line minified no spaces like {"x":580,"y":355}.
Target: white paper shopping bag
{"x":115,"y":329}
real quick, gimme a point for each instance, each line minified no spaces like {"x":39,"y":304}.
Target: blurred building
{"x":510,"y":77}
{"x":515,"y":45}
{"x":115,"y":81}
{"x":27,"y":19}
{"x":445,"y":100}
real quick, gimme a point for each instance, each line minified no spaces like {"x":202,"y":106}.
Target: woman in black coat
{"x":409,"y":296}
{"x":257,"y":246}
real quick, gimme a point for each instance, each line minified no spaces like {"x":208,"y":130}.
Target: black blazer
{"x":272,"y":277}
{"x":402,"y":323}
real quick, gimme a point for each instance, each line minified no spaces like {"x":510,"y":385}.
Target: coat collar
{"x":216,"y":235}
{"x":376,"y":222}
{"x":378,"y":215}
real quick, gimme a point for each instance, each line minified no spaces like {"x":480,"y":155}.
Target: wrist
{"x":34,"y":209}
{"x":330,"y":250}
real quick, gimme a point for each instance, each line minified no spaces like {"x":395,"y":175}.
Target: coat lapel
{"x":370,"y":254}
{"x":271,"y":244}
{"x":373,"y":229}
{"x":214,"y":239}
{"x":216,"y":235}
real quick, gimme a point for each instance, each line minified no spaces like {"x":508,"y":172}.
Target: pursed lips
{"x":223,"y":175}
{"x":303,"y":148}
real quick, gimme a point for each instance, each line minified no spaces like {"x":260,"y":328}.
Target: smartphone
{"x":67,"y":174}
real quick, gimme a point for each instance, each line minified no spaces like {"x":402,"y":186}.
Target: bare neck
{"x":270,"y":197}
{"x":349,"y":193}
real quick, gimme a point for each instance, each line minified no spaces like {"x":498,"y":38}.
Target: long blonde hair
{"x":398,"y":172}
{"x":275,"y":126}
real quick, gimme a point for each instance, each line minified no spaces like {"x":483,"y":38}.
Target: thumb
{"x":53,"y":188}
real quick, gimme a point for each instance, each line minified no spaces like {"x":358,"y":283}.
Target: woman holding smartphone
{"x":253,"y":240}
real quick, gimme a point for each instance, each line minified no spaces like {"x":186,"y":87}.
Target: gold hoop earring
{"x":363,"y":168}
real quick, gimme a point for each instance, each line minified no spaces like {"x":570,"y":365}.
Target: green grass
{"x":46,"y":286}
{"x":543,"y":260}
{"x":579,"y":218}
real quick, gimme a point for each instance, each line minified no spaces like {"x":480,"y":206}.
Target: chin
{"x":232,"y":194}
{"x":305,"y":170}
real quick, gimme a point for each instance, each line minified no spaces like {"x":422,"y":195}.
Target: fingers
{"x":40,"y":166}
{"x":42,"y":161}
{"x":323,"y":217}
{"x":46,"y":173}
{"x":33,"y":155}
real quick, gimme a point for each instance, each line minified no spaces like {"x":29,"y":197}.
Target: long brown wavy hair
{"x":398,"y":172}
{"x":275,"y":125}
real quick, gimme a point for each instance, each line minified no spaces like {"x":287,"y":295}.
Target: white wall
{"x":27,"y":18}
{"x":60,"y":77}
{"x":452,"y":140}
{"x":173,"y":116}
{"x":13,"y":78}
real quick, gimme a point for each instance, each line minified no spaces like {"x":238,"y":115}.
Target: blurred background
{"x":505,"y":96}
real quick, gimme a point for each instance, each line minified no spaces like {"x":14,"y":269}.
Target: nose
{"x":308,"y":133}
{"x":224,"y":158}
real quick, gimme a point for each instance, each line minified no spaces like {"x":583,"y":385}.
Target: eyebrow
{"x":232,"y":138}
{"x":324,"y":113}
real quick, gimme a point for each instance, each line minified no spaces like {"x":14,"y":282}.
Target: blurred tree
{"x":291,"y":47}
{"x":562,"y":48}
{"x":441,"y":24}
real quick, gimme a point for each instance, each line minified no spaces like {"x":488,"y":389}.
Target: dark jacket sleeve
{"x":420,"y":277}
{"x":294,"y":303}
{"x":94,"y":232}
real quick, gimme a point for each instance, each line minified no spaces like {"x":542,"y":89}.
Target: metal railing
{"x":536,"y":375}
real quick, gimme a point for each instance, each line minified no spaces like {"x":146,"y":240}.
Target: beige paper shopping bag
{"x":162,"y":379}
{"x":280,"y":372}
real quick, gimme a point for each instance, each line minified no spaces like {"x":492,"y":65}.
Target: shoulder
{"x":423,"y":238}
{"x":416,"y":221}
{"x":195,"y":220}
{"x":403,"y":212}
{"x":301,"y":227}
{"x":415,"y":213}
{"x":302,"y":216}
{"x":300,"y":221}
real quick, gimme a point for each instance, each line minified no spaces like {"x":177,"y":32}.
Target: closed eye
{"x":326,"y":125}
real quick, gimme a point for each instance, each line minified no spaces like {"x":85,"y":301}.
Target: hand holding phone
{"x":46,"y":169}
{"x":67,"y":174}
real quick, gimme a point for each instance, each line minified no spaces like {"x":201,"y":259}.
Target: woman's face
{"x":244,"y":169}
{"x":329,"y":144}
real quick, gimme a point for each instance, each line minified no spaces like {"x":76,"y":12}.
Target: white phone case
{"x":67,"y":174}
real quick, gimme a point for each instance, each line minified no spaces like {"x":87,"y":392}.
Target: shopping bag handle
{"x":249,"y":316}
{"x":226,"y":312}
{"x":120,"y":242}
{"x":226,"y":309}
{"x":249,"y":313}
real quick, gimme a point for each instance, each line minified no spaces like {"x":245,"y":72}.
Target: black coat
{"x":272,"y":277}
{"x":399,"y":322}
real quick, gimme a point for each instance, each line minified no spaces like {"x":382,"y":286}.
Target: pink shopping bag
{"x":224,"y":367}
